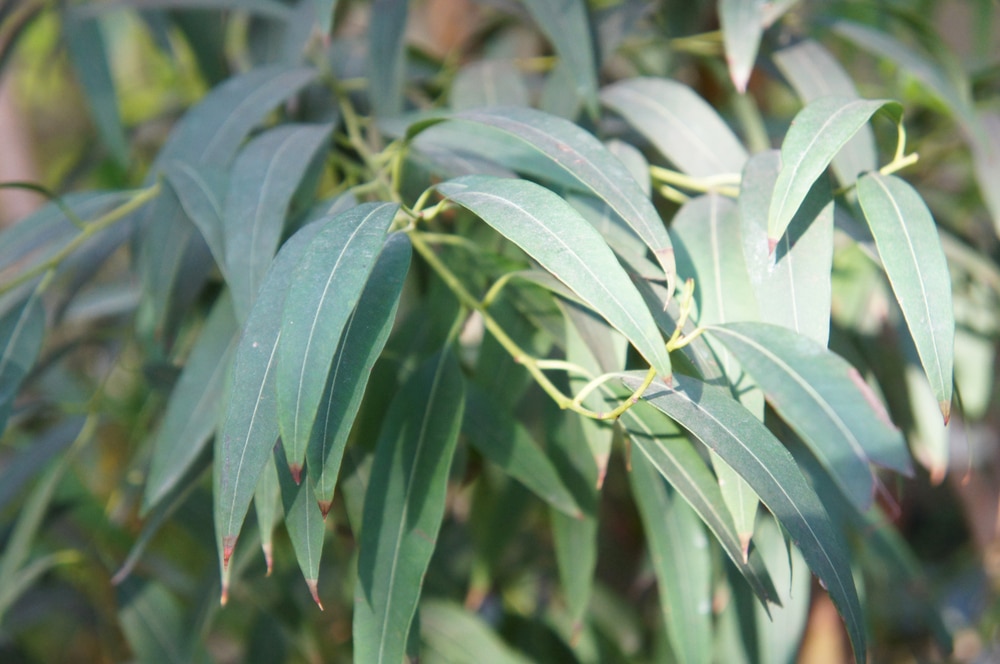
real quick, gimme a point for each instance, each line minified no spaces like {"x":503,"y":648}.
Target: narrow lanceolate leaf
{"x":555,"y":235}
{"x":267,"y":506}
{"x":454,"y":635}
{"x":681,"y":561}
{"x":404,"y":505}
{"x":911,"y":253}
{"x":682,"y":125}
{"x":742,"y":23}
{"x":387,"y":56}
{"x":670,"y":452}
{"x":324,"y":290}
{"x":792,"y":285}
{"x":567,"y":25}
{"x":303,"y":520}
{"x":506,"y":442}
{"x":722,"y":424}
{"x":250,"y":427}
{"x":192,"y":412}
{"x":201,"y":192}
{"x":824,"y":399}
{"x":581,"y":156}
{"x":265,"y":175}
{"x":361,"y":342}
{"x":817,"y":134}
{"x":21,"y":332}
{"x":815,"y":73}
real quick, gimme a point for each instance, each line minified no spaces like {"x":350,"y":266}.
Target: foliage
{"x":524,"y":344}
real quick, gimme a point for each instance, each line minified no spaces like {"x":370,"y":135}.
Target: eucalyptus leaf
{"x":742,"y":23}
{"x":387,"y":56}
{"x":22,"y":330}
{"x":567,"y":25}
{"x":304,"y":521}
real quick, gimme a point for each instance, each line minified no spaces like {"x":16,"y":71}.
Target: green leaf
{"x":323,"y":292}
{"x":250,"y":427}
{"x":305,"y":522}
{"x":200,"y":192}
{"x":453,"y":635}
{"x":325,"y":9}
{"x":499,"y":437}
{"x":21,"y":332}
{"x":567,"y":25}
{"x":264,"y":176}
{"x":541,"y":223}
{"x":681,"y":561}
{"x":679,"y":123}
{"x":742,"y":22}
{"x":824,"y":399}
{"x":815,"y":73}
{"x":911,"y":253}
{"x":792,"y":285}
{"x":745,"y":444}
{"x":387,"y":56}
{"x":266,"y":501}
{"x":404,"y":505}
{"x":488,"y":83}
{"x":89,"y":58}
{"x":817,"y":134}
{"x":581,"y":156}
{"x":192,"y":411}
{"x":780,"y":634}
{"x":361,"y":342}
{"x":269,"y":8}
{"x":154,"y":623}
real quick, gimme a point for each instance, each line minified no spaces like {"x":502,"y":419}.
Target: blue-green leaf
{"x":323,"y":292}
{"x":722,"y":424}
{"x":454,"y":635}
{"x":267,"y":504}
{"x":488,"y":83}
{"x":742,"y":22}
{"x":387,"y":56}
{"x":555,"y":235}
{"x":361,"y":342}
{"x":911,"y":253}
{"x":817,"y":134}
{"x":304,"y":521}
{"x":21,"y":332}
{"x":404,"y":505}
{"x":679,"y":123}
{"x":567,"y":25}
{"x":201,"y":192}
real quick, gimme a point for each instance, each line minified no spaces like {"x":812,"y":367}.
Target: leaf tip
{"x":228,"y":544}
{"x":296,"y":470}
{"x":268,"y":557}
{"x":945,"y":411}
{"x":602,"y":469}
{"x":745,"y":546}
{"x":314,"y":591}
{"x":324,"y":507}
{"x":772,"y":243}
{"x":668,"y":380}
{"x":937,"y":472}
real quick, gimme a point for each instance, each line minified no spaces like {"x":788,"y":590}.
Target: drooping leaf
{"x":815,"y":73}
{"x":403,"y":507}
{"x":303,"y":519}
{"x":792,"y":285}
{"x":192,"y":411}
{"x":22,"y":330}
{"x":387,"y":56}
{"x":250,"y":427}
{"x":550,"y":231}
{"x":361,"y":342}
{"x":817,"y":134}
{"x":722,"y":424}
{"x":584,"y":159}
{"x":453,"y":635}
{"x":681,"y":561}
{"x":911,"y":253}
{"x":153,"y":621}
{"x":679,"y":123}
{"x":502,"y":439}
{"x":267,"y":506}
{"x":742,"y":23}
{"x":780,"y":634}
{"x":201,"y":192}
{"x":323,"y":292}
{"x":825,"y":401}
{"x":264,"y":176}
{"x":567,"y":25}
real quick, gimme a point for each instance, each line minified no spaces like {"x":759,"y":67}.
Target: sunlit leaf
{"x":679,"y":123}
{"x":324,"y":290}
{"x":908,"y":243}
{"x":404,"y":505}
{"x":742,"y":23}
{"x":817,"y":134}
{"x":549,"y":230}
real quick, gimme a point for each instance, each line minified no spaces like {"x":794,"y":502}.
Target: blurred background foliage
{"x":941,"y":58}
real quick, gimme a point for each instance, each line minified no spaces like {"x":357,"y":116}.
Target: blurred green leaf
{"x":267,"y":507}
{"x":22,"y":330}
{"x":679,"y":123}
{"x":742,"y":23}
{"x":154,"y":624}
{"x":488,"y":83}
{"x":323,"y":291}
{"x":540,"y":222}
{"x":817,"y":134}
{"x":911,"y":253}
{"x":387,"y":56}
{"x":404,"y":505}
{"x":567,"y":25}
{"x":453,"y":635}
{"x":201,"y":192}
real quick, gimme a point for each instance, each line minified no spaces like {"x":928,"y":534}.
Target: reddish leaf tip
{"x":314,"y":591}
{"x":937,"y":474}
{"x":296,"y":470}
{"x":324,"y":507}
{"x":945,"y":411}
{"x":224,"y":597}
{"x":602,"y":469}
{"x":772,"y":242}
{"x":228,"y":544}
{"x":745,"y":546}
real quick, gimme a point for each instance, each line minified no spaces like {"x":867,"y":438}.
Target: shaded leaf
{"x":746,"y":445}
{"x":303,"y":520}
{"x":911,"y":253}
{"x":542,"y":223}
{"x":679,"y":123}
{"x":387,"y":56}
{"x":742,"y":22}
{"x":453,"y":635}
{"x":200,"y":192}
{"x":21,"y":332}
{"x":322,"y":294}
{"x":567,"y":25}
{"x":817,"y":134}
{"x":266,"y":503}
{"x":488,"y":83}
{"x":404,"y":505}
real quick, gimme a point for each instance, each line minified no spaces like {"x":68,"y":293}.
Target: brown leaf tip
{"x":228,"y":544}
{"x":945,"y":411}
{"x":314,"y":591}
{"x":268,"y":557}
{"x":296,"y":470}
{"x":324,"y":506}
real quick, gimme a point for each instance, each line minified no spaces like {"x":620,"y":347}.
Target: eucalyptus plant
{"x":459,"y":318}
